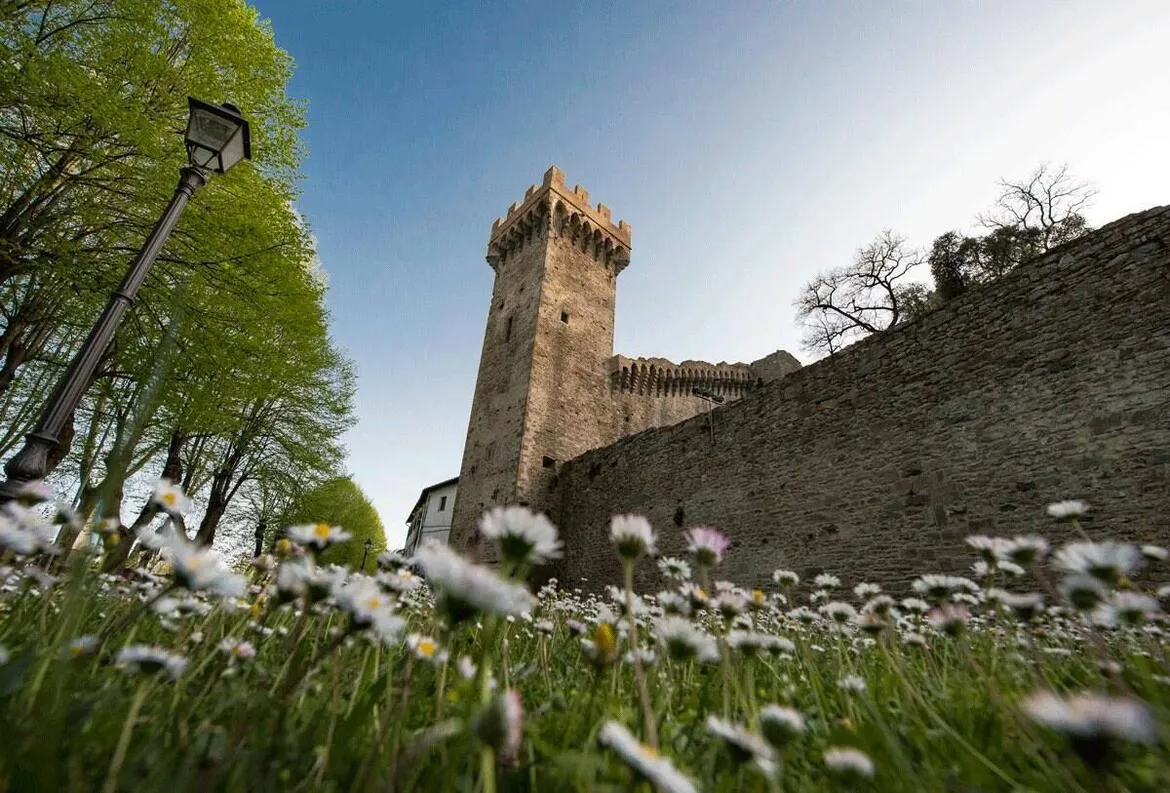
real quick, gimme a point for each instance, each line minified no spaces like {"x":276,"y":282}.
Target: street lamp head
{"x":217,"y":136}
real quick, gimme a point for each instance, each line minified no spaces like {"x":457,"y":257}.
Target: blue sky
{"x":749,"y":144}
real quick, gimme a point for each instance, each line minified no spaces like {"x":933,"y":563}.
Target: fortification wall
{"x":655,"y":392}
{"x":875,"y":464}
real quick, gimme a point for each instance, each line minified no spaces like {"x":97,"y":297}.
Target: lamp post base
{"x":28,"y":465}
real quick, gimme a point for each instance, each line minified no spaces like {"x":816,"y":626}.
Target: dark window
{"x":508,"y":330}
{"x":442,"y":503}
{"x":565,"y":317}
{"x":548,"y":462}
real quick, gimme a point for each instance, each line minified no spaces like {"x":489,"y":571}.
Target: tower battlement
{"x":658,"y":377}
{"x":549,"y":386}
{"x":571,"y":209}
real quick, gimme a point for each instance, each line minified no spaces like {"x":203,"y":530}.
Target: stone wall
{"x":1051,"y":383}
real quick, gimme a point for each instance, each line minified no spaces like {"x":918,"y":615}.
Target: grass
{"x":330,"y":703}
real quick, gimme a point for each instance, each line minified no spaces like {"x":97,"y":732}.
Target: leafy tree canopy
{"x":341,"y":502}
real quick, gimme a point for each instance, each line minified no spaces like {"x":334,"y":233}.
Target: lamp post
{"x":217,"y":138}
{"x":368,"y":545}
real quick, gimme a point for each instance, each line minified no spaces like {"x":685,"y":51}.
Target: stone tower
{"x":542,"y":395}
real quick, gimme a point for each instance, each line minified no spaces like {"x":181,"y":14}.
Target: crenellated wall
{"x":549,"y":386}
{"x":875,"y":464}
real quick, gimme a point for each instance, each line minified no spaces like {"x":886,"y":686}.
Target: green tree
{"x":223,"y":374}
{"x":341,"y":502}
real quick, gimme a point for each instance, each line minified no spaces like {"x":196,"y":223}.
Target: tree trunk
{"x":261,"y":530}
{"x":217,"y":504}
{"x":173,"y":472}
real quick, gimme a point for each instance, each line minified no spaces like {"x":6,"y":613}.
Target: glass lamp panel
{"x":210,"y":130}
{"x":233,"y":151}
{"x":202,"y":157}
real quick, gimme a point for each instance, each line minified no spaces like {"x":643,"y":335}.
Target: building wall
{"x":875,"y":464}
{"x":556,"y":258}
{"x":436,"y":522}
{"x":549,"y":386}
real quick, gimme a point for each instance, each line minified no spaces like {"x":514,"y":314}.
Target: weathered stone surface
{"x":1052,"y":383}
{"x":549,"y":386}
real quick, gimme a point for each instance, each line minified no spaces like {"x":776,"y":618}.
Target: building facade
{"x":550,"y":387}
{"x":430,"y":519}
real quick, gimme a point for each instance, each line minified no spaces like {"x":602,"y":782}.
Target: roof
{"x":422,"y":497}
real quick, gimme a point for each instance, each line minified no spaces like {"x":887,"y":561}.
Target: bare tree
{"x":869,"y":296}
{"x":1047,"y":207}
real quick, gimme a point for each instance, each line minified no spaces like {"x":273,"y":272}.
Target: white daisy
{"x":864,"y":591}
{"x":748,"y":642}
{"x":1133,"y":608}
{"x":707,"y":544}
{"x":466,"y":589}
{"x":1025,"y":606}
{"x":939,"y":587}
{"x":915,"y":605}
{"x":785,"y":578}
{"x":949,"y":618}
{"x":1107,"y":561}
{"x":369,"y":607}
{"x":237,"y":649}
{"x":646,"y":762}
{"x":317,"y":536}
{"x":1155,"y":553}
{"x":1083,"y":592}
{"x":1094,"y":716}
{"x":839,"y":612}
{"x":1067,"y":510}
{"x":1024,"y":550}
{"x":674,"y":569}
{"x":744,"y":746}
{"x":848,"y":762}
{"x":852,"y":683}
{"x":826,"y":581}
{"x":425,"y":648}
{"x":202,"y":569}
{"x":169,"y":498}
{"x":780,"y":725}
{"x":149,"y":660}
{"x":523,"y":536}
{"x":632,"y":536}
{"x":684,"y":641}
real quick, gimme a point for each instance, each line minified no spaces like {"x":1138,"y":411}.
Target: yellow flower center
{"x":702,"y":593}
{"x":322,"y":531}
{"x":374,"y":603}
{"x":427,"y":648}
{"x":604,"y":639}
{"x":169,"y":498}
{"x":283,"y":546}
{"x":257,"y":608}
{"x":758,"y":595}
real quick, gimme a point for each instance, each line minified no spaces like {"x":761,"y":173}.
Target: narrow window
{"x":508,"y":330}
{"x":565,"y":317}
{"x":548,"y":462}
{"x":442,"y":503}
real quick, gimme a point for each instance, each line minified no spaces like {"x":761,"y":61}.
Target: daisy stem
{"x":124,"y":739}
{"x":487,"y":768}
{"x":639,"y":673}
{"x":130,"y":616}
{"x":941,"y":722}
{"x":439,"y":695}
